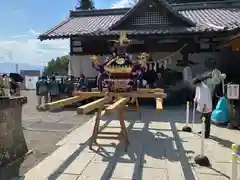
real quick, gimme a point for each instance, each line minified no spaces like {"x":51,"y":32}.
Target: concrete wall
{"x":12,"y":141}
{"x":82,"y":64}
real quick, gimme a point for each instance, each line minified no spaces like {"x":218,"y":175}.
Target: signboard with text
{"x":233,"y":91}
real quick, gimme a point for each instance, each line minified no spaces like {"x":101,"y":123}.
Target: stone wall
{"x":12,"y":141}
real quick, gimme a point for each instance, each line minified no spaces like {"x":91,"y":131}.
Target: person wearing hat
{"x":214,"y":82}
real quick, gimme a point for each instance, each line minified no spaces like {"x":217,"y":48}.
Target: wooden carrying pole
{"x":63,"y":102}
{"x":159,"y":106}
{"x":93,"y":105}
{"x":121,"y":103}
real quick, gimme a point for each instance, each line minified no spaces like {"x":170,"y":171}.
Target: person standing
{"x":62,"y":86}
{"x":41,"y":91}
{"x":53,"y":89}
{"x":151,"y":77}
{"x":82,"y":83}
{"x":70,"y":86}
{"x":203,"y":98}
{"x":13,"y":86}
{"x":159,"y":83}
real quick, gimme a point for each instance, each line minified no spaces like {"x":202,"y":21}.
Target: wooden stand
{"x":121,"y":100}
{"x":109,"y":135}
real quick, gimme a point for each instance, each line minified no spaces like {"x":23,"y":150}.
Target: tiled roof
{"x":210,"y":17}
{"x":84,"y":25}
{"x":157,"y":4}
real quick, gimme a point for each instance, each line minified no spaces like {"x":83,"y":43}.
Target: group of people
{"x":14,"y":88}
{"x":51,"y":89}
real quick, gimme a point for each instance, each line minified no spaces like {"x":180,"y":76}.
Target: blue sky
{"x":21,"y":22}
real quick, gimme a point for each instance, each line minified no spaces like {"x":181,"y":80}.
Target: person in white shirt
{"x":203,"y":98}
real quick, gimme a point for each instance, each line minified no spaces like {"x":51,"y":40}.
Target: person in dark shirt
{"x":53,"y":89}
{"x":13,"y":87}
{"x":70,"y":86}
{"x":62,"y":86}
{"x":159,"y":82}
{"x":82,"y":83}
{"x":42,"y":90}
{"x":151,"y":78}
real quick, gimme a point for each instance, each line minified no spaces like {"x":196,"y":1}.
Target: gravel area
{"x":43,"y":130}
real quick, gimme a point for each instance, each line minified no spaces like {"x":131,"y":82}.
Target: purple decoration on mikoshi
{"x":238,"y":151}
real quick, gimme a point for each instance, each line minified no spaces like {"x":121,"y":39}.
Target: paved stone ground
{"x":43,"y":130}
{"x":158,"y":151}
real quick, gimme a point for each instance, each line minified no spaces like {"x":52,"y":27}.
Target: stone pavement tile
{"x":174,"y":168}
{"x":79,"y":164}
{"x":159,"y":125}
{"x":218,"y":154}
{"x":65,"y":177}
{"x":103,"y":157}
{"x":51,"y":163}
{"x":138,"y":126}
{"x":152,"y":162}
{"x":220,"y":169}
{"x":104,"y":146}
{"x":154,"y":153}
{"x":78,"y":135}
{"x":154,"y":174}
{"x":225,"y":136}
{"x":124,"y":171}
{"x":201,"y":176}
{"x":205,"y":170}
{"x":179,"y":166}
{"x":94,"y":171}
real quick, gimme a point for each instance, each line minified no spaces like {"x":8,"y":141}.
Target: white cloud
{"x":124,"y":3}
{"x":26,"y":48}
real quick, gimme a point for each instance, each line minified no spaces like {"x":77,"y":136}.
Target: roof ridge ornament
{"x":123,"y":38}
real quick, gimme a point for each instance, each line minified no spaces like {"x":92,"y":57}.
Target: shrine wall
{"x":83,"y":64}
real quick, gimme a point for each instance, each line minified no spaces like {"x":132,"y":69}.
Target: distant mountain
{"x":11,"y":67}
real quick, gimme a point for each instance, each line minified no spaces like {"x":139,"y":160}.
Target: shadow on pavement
{"x":158,"y":145}
{"x":223,"y":142}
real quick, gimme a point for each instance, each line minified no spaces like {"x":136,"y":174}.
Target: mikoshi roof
{"x":197,"y":17}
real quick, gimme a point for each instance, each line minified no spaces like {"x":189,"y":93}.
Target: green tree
{"x":85,"y":5}
{"x":58,"y":66}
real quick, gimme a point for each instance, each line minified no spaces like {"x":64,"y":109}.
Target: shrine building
{"x":201,"y":34}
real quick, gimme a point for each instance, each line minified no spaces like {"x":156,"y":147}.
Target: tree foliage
{"x":58,"y":66}
{"x":85,"y":5}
